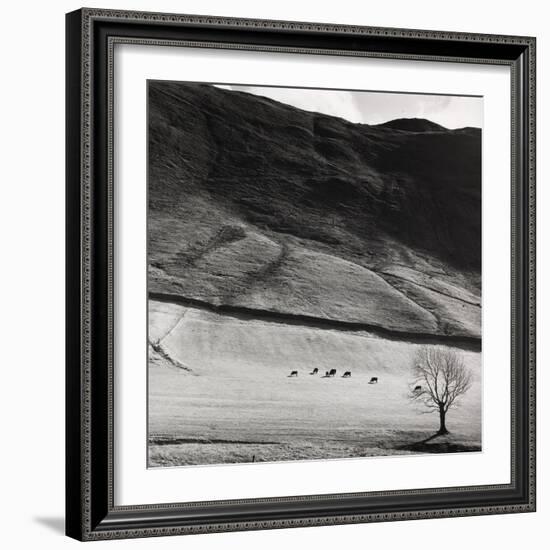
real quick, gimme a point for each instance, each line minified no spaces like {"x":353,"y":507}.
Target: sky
{"x":377,"y":107}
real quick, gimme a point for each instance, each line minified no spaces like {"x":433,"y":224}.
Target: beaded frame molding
{"x":90,"y":510}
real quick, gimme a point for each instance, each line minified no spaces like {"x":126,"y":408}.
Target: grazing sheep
{"x":373,"y":380}
{"x":331,"y":372}
{"x":314,"y":371}
{"x":294,"y":373}
{"x":347,"y":374}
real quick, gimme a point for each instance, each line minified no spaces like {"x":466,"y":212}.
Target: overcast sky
{"x":377,"y":107}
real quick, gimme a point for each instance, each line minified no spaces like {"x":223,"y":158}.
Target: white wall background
{"x":32,"y":274}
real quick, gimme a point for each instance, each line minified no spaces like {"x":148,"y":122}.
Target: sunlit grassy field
{"x":220,"y":392}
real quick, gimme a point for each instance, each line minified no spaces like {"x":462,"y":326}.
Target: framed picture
{"x":300,"y":274}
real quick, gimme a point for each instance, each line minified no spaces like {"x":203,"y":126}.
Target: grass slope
{"x":219,"y":391}
{"x":256,"y":203}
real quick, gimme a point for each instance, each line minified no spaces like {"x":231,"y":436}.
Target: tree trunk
{"x":442,"y":426}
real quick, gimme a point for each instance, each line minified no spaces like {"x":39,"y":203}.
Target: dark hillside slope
{"x":255,"y":203}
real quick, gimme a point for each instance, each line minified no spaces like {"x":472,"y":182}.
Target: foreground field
{"x":220,"y":392}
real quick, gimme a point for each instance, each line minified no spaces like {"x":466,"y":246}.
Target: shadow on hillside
{"x":439,"y":444}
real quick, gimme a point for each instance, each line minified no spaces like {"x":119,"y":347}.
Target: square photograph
{"x":314,"y":273}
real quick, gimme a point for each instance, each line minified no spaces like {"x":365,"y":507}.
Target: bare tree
{"x":440,"y":378}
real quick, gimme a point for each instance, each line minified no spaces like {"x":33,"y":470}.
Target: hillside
{"x":258,"y":205}
{"x":220,"y":391}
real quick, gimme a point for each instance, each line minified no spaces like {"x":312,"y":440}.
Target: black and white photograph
{"x":314,"y":273}
{"x":271,"y":273}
